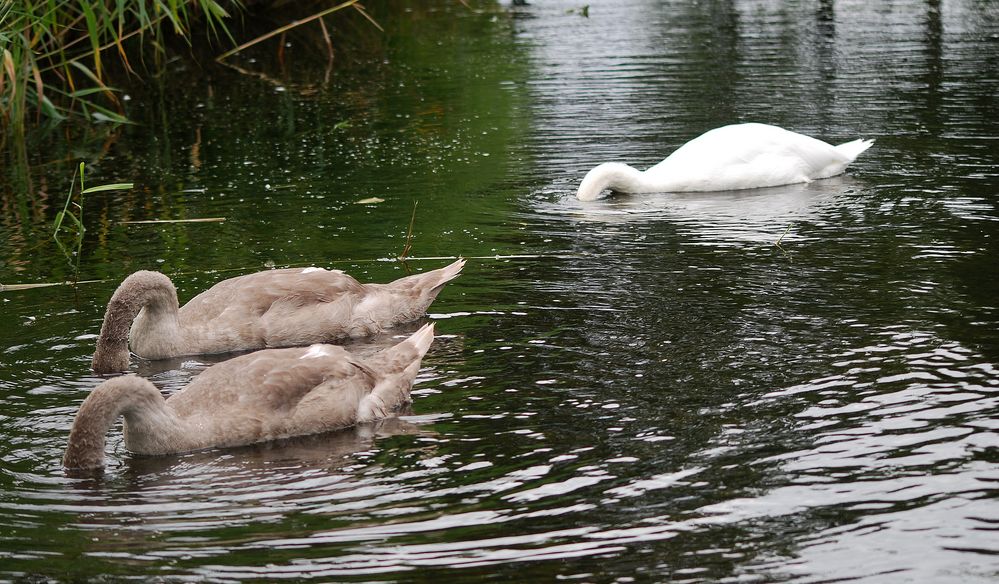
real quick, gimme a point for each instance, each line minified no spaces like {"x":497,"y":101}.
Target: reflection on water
{"x":642,"y":388}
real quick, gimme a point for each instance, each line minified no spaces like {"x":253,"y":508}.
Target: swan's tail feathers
{"x":855,"y":148}
{"x":411,"y":296}
{"x":422,"y":339}
{"x":395,"y":369}
{"x":403,"y":354}
{"x":432,"y":281}
{"x":448,"y":273}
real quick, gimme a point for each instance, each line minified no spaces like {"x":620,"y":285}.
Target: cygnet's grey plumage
{"x":261,"y":396}
{"x":274,"y":308}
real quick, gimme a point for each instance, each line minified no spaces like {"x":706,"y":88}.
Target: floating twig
{"x":288,"y":27}
{"x":153,"y":221}
{"x":15,"y":287}
{"x":360,"y":9}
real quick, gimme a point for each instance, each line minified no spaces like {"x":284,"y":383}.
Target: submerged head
{"x":97,"y":413}
{"x":609,"y":175}
{"x":139,"y":290}
{"x":110,"y":358}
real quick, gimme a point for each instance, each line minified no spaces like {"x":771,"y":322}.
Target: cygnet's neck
{"x":147,"y":420}
{"x":614,"y":176}
{"x":158,"y":324}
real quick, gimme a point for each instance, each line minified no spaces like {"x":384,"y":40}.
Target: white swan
{"x":267,"y":395}
{"x":740,"y":156}
{"x":274,"y":308}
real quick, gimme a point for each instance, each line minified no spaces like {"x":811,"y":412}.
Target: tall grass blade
{"x":110,"y":187}
{"x":62,"y":214}
{"x":68,"y":216}
{"x":55,"y":54}
{"x":93,"y":33}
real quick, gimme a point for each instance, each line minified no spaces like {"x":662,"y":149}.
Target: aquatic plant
{"x":69,"y":221}
{"x":409,"y":235}
{"x":60,"y":58}
{"x":55,"y":53}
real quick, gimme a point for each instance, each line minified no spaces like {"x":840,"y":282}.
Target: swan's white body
{"x":740,"y":156}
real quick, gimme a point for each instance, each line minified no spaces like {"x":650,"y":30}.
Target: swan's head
{"x":142,"y":290}
{"x":129,"y":395}
{"x":608,"y":175}
{"x":110,"y":358}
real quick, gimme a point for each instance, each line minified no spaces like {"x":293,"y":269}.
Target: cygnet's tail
{"x":420,"y":340}
{"x":430,"y":282}
{"x":855,"y":148}
{"x":412,"y":296}
{"x":395,"y":370}
{"x":443,"y":275}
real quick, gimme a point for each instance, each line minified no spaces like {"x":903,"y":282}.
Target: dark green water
{"x":643,"y":388}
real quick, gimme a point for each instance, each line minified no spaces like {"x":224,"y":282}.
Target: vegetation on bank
{"x":61,"y":59}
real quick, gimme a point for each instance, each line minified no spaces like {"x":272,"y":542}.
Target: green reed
{"x":54,"y":54}
{"x":69,"y":221}
{"x":59,"y":58}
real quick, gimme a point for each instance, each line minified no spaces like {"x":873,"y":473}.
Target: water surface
{"x":643,"y":388}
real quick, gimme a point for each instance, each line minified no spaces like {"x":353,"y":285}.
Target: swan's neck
{"x":151,"y":291}
{"x":616,"y":177}
{"x":146,"y":416}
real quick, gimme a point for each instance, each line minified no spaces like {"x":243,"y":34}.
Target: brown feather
{"x":266,"y":395}
{"x":276,"y":308}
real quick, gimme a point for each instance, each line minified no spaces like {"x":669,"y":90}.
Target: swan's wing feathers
{"x":393,"y":360}
{"x":254,"y":294}
{"x":274,"y":308}
{"x":264,"y":381}
{"x":286,"y":384}
{"x":815,"y":153}
{"x":335,"y":400}
{"x":275,"y":393}
{"x":748,"y":155}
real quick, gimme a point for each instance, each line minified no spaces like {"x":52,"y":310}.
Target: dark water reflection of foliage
{"x":419,"y":120}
